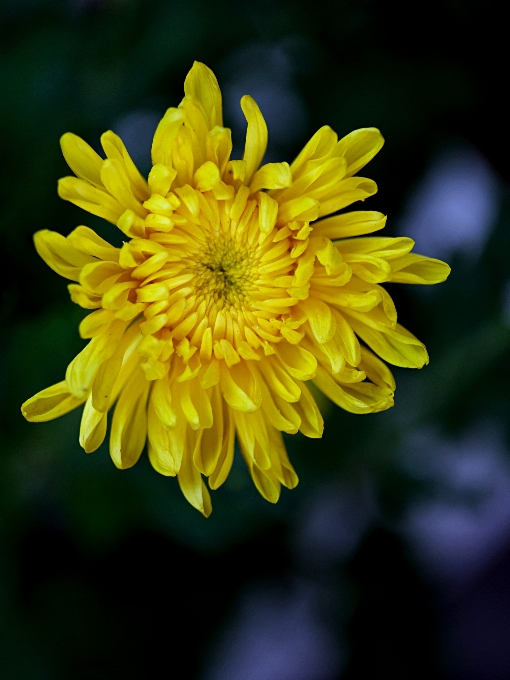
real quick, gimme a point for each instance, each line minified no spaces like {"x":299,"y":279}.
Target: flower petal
{"x":82,"y":159}
{"x":53,"y":402}
{"x":201,"y":83}
{"x":129,"y":425}
{"x":359,"y":147}
{"x":256,"y":136}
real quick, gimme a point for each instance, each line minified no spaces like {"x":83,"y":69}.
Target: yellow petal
{"x":98,"y":276}
{"x":348,"y":191}
{"x":160,"y":450}
{"x":240,"y":388}
{"x":319,"y":146}
{"x":354,"y":400}
{"x":218,"y":144}
{"x":359,"y":147}
{"x":115,"y":150}
{"x":281,"y":466}
{"x":82,"y":371}
{"x":92,"y":428}
{"x":201,"y":83}
{"x":299,"y":362}
{"x":305,"y":209}
{"x":279,"y":382}
{"x":117,"y":182}
{"x":87,"y":241}
{"x":280,"y":418}
{"x":414,"y":268}
{"x":236,"y":170}
{"x":396,"y":346}
{"x":165,"y":135}
{"x":312,"y":423}
{"x":354,"y":223}
{"x":266,"y":483}
{"x":319,"y":316}
{"x":347,"y":339}
{"x":207,"y":454}
{"x":160,"y":179}
{"x":378,"y":246}
{"x":256,"y":136}
{"x":268,"y":212}
{"x":376,"y":370}
{"x":162,"y":401}
{"x":90,"y":198}
{"x":60,"y":254}
{"x":253,"y":438}
{"x":81,"y":158}
{"x":226,"y":457}
{"x":103,"y":387}
{"x":50,"y":403}
{"x":82,"y":297}
{"x":191,"y":482}
{"x":207,"y":176}
{"x":129,"y":425}
{"x":271,"y":176}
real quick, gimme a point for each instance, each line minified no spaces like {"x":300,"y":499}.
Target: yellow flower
{"x":230,"y":292}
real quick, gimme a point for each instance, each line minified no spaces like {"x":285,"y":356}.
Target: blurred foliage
{"x":109,"y":575}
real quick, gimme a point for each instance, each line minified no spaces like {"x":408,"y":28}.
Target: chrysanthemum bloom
{"x":230,"y":292}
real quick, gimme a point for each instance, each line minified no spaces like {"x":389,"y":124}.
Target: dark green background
{"x":108,"y":574}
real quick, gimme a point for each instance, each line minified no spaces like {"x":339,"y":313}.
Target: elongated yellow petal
{"x":191,"y":482}
{"x":82,"y":159}
{"x":87,"y":241}
{"x":359,"y":147}
{"x":201,"y":83}
{"x":396,"y":346}
{"x":165,"y":135}
{"x":226,"y":457}
{"x":50,"y":403}
{"x":160,"y":450}
{"x":129,"y":425}
{"x":321,"y":320}
{"x":60,"y":255}
{"x":240,"y":389}
{"x":354,"y":223}
{"x":346,"y":192}
{"x":92,"y":428}
{"x":312,"y":423}
{"x":256,"y":137}
{"x":90,"y":198}
{"x":319,"y":147}
{"x":82,"y":371}
{"x":116,"y":151}
{"x":414,"y":268}
{"x":116,"y":180}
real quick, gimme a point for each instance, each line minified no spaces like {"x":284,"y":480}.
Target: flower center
{"x":224,"y":271}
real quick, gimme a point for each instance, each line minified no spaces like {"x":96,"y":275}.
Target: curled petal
{"x":256,"y":136}
{"x":53,"y":402}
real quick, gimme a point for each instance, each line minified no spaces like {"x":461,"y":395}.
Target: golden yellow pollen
{"x":225,"y":271}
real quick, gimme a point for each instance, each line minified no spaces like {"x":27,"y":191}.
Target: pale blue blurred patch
{"x":276,"y":634}
{"x":462,"y":522}
{"x":454,"y":205}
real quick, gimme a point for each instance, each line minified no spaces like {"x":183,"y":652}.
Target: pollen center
{"x":224,"y":271}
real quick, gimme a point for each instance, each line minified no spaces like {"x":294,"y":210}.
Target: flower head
{"x":234,"y":287}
